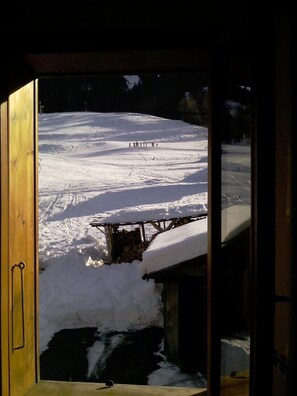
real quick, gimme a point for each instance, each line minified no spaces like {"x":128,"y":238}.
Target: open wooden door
{"x":18,"y":241}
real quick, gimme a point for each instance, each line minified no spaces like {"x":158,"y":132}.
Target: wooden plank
{"x":4,"y":274}
{"x":122,"y":62}
{"x":22,"y":240}
{"x":238,"y":385}
{"x":54,"y":388}
{"x":36,"y":224}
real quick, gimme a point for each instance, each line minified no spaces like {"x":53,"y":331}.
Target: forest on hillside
{"x":181,"y":96}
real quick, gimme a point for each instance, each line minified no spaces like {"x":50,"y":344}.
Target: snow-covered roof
{"x":235,"y":219}
{"x":175,"y":246}
{"x":190,"y":240}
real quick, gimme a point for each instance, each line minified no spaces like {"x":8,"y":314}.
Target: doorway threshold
{"x":63,"y":388}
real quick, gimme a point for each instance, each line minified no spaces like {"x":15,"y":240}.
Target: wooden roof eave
{"x":194,"y":267}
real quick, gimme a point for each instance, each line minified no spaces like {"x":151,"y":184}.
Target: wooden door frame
{"x":11,"y":270}
{"x":60,"y":63}
{"x":150,"y":61}
{"x":4,"y":274}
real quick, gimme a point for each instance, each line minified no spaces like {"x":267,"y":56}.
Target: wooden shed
{"x":173,"y":260}
{"x":126,"y":240}
{"x":184,"y":283}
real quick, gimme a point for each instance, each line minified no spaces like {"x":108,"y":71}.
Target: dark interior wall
{"x":55,"y":15}
{"x":235,"y":279}
{"x":191,"y":324}
{"x":84,"y":25}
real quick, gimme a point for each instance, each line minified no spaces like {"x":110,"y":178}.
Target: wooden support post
{"x":143,"y":232}
{"x":108,"y":235}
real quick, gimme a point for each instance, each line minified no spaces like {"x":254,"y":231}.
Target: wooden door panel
{"x":22,"y":239}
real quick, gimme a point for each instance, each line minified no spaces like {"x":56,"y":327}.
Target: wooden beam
{"x":54,"y":388}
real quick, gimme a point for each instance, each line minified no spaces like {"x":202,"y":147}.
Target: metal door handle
{"x":21,"y":266}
